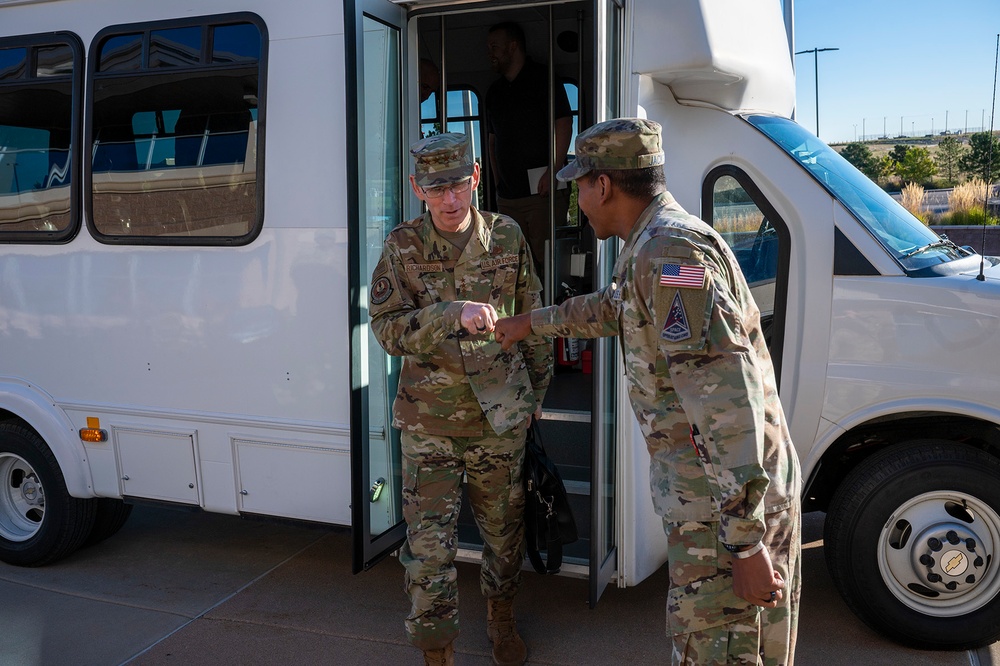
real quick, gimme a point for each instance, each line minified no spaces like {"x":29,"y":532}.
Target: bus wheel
{"x":39,"y":521}
{"x":109,"y":517}
{"x":912,"y":538}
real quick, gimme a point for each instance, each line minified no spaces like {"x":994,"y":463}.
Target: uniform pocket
{"x":704,"y":605}
{"x":701,"y":594}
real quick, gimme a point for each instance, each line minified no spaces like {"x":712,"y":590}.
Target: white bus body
{"x":192,"y":195}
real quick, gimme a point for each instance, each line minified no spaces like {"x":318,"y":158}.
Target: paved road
{"x":191,"y":588}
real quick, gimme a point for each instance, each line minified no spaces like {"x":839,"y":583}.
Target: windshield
{"x":909,"y":241}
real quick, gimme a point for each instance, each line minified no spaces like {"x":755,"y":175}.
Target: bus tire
{"x":911,"y":540}
{"x":39,"y":521}
{"x":110,"y":516}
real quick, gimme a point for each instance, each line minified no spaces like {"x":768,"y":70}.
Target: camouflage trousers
{"x":707,"y":622}
{"x":433,"y":468}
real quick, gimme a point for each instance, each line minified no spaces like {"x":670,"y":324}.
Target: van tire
{"x":39,"y":521}
{"x":900,"y":526}
{"x":109,"y":517}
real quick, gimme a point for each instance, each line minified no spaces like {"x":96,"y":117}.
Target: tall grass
{"x":967,"y":205}
{"x":912,"y":199}
{"x":970,"y":194}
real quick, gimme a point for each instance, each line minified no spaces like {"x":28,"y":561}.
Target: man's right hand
{"x":508,"y":332}
{"x":478,"y":318}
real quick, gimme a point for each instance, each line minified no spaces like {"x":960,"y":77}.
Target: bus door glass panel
{"x":383,"y":211}
{"x":604,"y":546}
{"x":38,"y":127}
{"x":174,"y":134}
{"x":375,"y":37}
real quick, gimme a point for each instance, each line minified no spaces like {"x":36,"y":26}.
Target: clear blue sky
{"x":915,"y":59}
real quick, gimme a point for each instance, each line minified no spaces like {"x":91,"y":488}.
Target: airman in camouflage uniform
{"x":723,"y":474}
{"x":463,"y":403}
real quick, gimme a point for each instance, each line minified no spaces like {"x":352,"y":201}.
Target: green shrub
{"x":976,"y":217}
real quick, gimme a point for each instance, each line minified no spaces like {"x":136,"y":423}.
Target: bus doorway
{"x":566,"y":42}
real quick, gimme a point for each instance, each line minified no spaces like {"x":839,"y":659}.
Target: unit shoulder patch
{"x":381,"y":290}
{"x":676,"y":327}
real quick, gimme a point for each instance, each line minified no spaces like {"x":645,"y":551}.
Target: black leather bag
{"x":548,"y":519}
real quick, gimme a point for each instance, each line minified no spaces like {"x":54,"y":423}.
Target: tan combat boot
{"x":508,"y":648}
{"x":440,"y":657}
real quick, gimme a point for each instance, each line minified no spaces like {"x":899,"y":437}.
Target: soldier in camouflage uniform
{"x":723,"y":473}
{"x":463,"y":404}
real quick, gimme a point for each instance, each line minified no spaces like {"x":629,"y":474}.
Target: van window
{"x":37,"y":131}
{"x":174,"y":133}
{"x":736,"y":208}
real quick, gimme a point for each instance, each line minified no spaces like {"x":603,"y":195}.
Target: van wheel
{"x":912,"y":538}
{"x":39,"y":521}
{"x":110,"y":516}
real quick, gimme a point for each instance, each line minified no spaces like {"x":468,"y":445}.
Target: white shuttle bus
{"x":192,"y":196}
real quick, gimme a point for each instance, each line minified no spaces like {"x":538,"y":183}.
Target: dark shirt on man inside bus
{"x":517,"y":114}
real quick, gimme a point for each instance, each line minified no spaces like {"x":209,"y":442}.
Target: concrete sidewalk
{"x":193,"y":588}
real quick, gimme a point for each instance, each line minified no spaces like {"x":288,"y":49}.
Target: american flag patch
{"x":679,"y":275}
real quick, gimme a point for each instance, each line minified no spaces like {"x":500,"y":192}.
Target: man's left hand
{"x":756,"y":581}
{"x":543,"y":184}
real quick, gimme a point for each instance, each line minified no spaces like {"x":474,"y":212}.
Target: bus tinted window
{"x":174,"y":154}
{"x":54,"y":61}
{"x":175,"y":48}
{"x":12,"y":63}
{"x":36,"y":136}
{"x":121,"y":53}
{"x":234,"y":43}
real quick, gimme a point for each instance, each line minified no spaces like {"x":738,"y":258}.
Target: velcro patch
{"x":682,"y":275}
{"x":496,"y":262}
{"x":424,"y":268}
{"x":381,"y":290}
{"x":676,"y":327}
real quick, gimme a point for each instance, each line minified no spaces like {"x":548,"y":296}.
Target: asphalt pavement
{"x":178,"y":587}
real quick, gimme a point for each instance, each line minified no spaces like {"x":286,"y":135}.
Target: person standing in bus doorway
{"x":517,"y":121}
{"x":463,"y":405}
{"x":428,"y":78}
{"x":723,"y":473}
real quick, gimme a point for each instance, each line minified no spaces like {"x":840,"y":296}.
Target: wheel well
{"x":8,"y":416}
{"x":867,"y":438}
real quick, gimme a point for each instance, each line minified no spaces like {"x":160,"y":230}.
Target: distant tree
{"x":916,"y":166}
{"x":885,"y":167}
{"x":861,"y":157}
{"x":898,"y":153}
{"x":977,"y":162}
{"x":949,"y":152}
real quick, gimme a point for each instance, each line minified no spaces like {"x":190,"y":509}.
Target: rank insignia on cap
{"x":681,"y":275}
{"x":676,"y":328}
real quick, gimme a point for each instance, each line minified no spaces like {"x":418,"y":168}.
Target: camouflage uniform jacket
{"x":695,"y":356}
{"x":452,"y":382}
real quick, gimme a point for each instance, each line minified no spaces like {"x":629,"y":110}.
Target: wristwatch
{"x":743,"y":552}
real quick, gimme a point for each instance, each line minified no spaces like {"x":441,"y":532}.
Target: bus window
{"x":175,"y":134}
{"x":37,"y":129}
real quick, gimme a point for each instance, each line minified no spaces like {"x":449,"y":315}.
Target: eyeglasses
{"x":460,"y":187}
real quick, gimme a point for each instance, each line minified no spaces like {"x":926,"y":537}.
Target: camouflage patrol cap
{"x":622,"y":143}
{"x":442,"y":159}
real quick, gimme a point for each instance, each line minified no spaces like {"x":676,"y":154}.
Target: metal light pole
{"x":815,"y":53}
